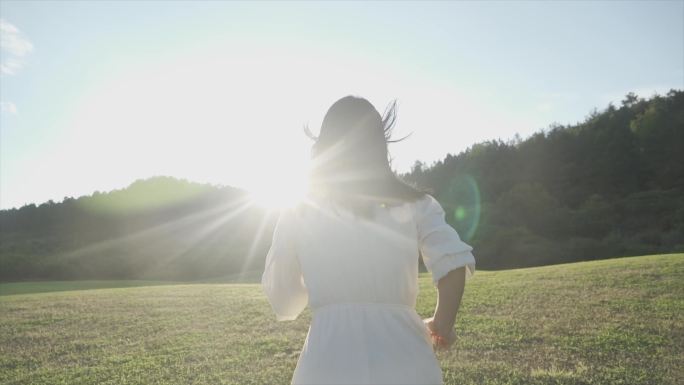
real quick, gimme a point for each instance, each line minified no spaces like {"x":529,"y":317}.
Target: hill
{"x":157,"y":228}
{"x":615,"y":321}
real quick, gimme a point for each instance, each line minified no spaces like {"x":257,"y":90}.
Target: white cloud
{"x":15,"y":46}
{"x":10,"y":66}
{"x":8,"y":108}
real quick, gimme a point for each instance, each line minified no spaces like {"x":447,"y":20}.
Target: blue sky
{"x":97,"y":94}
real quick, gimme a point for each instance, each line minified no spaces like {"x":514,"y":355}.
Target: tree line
{"x":610,"y":186}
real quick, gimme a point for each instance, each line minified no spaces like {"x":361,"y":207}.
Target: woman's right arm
{"x":449,"y":293}
{"x":450,"y":262}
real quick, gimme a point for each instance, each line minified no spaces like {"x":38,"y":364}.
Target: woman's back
{"x":348,"y":259}
{"x":360,"y":278}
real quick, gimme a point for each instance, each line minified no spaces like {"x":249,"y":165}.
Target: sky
{"x":97,"y":94}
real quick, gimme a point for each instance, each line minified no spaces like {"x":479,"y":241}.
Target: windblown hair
{"x":351,"y":165}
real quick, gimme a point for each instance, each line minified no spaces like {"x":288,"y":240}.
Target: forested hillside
{"x":610,"y":186}
{"x":158,"y":228}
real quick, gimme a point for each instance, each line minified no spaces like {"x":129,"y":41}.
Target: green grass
{"x":31,"y":287}
{"x":617,"y":321}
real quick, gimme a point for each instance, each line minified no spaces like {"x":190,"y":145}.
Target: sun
{"x":280,"y":189}
{"x":278,"y":197}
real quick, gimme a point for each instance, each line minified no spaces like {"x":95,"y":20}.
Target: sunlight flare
{"x":280,"y":187}
{"x":277,"y":197}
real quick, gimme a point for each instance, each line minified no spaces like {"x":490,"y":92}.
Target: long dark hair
{"x":351,"y":165}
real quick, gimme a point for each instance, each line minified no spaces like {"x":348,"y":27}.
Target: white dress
{"x":360,"y":280}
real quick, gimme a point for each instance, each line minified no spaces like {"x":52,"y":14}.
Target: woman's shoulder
{"x":415,"y":208}
{"x":315,"y":206}
{"x":425,"y":202}
{"x":427,"y":206}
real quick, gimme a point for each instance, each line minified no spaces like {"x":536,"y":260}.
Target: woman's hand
{"x":449,"y":293}
{"x":441,"y":339}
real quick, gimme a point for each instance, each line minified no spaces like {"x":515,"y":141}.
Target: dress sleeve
{"x":282,"y":280}
{"x":441,"y":247}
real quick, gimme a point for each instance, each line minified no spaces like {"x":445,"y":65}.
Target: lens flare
{"x":462,"y":204}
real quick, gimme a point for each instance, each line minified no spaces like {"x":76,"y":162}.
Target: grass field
{"x":618,"y":321}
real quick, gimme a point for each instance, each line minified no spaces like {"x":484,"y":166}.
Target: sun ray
{"x":152,"y":235}
{"x":204,"y":231}
{"x":260,"y":233}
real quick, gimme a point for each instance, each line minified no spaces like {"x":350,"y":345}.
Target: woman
{"x":351,"y":253}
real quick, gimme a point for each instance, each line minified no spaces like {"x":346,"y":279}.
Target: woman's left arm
{"x":282,"y":280}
